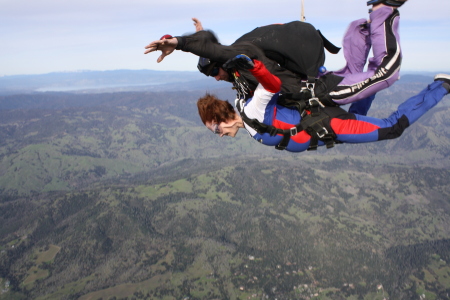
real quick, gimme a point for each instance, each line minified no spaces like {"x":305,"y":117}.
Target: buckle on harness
{"x":313,"y":102}
{"x":310,"y":85}
{"x":293,"y":131}
{"x":323,"y":133}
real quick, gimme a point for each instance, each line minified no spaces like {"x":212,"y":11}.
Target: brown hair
{"x":210,"y":109}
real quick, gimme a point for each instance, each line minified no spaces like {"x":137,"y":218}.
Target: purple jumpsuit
{"x":381,"y":34}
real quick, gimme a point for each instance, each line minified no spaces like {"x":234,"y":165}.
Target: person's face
{"x":229,"y":128}
{"x":222,"y":75}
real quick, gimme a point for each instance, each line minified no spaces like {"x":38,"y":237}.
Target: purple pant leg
{"x":380,"y":32}
{"x":356,"y":46}
{"x":383,"y":68}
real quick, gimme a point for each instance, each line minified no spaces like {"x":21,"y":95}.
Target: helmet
{"x":394,"y":3}
{"x":208,"y":67}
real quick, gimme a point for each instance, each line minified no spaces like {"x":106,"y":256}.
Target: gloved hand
{"x":240,"y":61}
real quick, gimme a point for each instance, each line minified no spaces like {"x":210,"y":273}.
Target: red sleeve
{"x":269,"y":81}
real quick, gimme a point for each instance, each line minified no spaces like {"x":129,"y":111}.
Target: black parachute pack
{"x":294,"y":52}
{"x":296,"y":46}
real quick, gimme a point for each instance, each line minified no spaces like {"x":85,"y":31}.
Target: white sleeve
{"x":256,"y":108}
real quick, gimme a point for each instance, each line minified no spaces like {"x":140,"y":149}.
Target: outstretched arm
{"x":166,"y":46}
{"x":202,"y":43}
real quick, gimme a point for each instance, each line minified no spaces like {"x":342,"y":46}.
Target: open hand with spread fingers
{"x":166,"y":45}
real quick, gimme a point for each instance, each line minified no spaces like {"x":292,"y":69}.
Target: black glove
{"x":240,"y":61}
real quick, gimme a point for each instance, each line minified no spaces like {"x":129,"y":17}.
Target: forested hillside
{"x":284,"y":228}
{"x":126,"y":195}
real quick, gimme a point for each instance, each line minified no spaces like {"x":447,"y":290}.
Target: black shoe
{"x":393,"y":3}
{"x":445,"y":78}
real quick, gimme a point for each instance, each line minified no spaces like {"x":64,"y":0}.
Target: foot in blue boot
{"x":445,"y":78}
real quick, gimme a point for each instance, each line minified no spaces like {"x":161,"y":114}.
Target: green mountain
{"x":64,"y":141}
{"x":204,"y":229}
{"x":127,"y":196}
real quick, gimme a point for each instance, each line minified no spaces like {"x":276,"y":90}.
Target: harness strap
{"x":317,"y":126}
{"x":328,"y":45}
{"x":316,"y":123}
{"x":298,"y":100}
{"x":303,"y":100}
{"x":262,"y":128}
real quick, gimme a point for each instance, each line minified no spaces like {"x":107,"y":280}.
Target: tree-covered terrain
{"x":127,"y":196}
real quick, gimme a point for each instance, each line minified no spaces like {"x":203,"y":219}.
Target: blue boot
{"x":445,"y":78}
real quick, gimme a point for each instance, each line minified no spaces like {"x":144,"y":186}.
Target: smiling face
{"x":229,"y":128}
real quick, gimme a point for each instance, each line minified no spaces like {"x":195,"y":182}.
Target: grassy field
{"x":42,"y":257}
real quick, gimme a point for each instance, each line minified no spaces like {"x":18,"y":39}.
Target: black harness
{"x":315,"y":117}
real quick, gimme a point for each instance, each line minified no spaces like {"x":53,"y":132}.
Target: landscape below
{"x":125,"y":195}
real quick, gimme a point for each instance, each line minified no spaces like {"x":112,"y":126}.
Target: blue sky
{"x":53,"y":36}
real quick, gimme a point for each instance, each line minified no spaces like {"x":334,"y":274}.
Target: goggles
{"x":216,"y":129}
{"x":208,"y":67}
{"x":214,"y":72}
